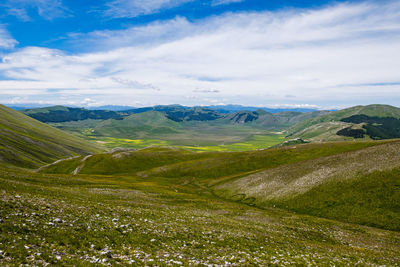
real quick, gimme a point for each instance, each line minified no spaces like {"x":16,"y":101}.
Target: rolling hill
{"x":184,"y":126}
{"x":26,"y":142}
{"x":356,"y":186}
{"x":286,"y":177}
{"x":308,"y":204}
{"x":136,"y":126}
{"x":349,"y":124}
{"x":63,"y":114}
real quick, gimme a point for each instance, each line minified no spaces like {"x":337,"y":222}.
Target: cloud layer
{"x":48,"y":9}
{"x":6,"y":41}
{"x":338,"y":55}
{"x":134,"y":8}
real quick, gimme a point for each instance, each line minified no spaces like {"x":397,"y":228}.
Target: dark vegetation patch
{"x":64,"y":114}
{"x":179,"y":113}
{"x":244,"y":116}
{"x":355,"y":133}
{"x":377,"y":127}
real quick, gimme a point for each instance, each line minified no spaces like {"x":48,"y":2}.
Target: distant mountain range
{"x":176,"y":113}
{"x":219,"y":108}
{"x":196,"y":124}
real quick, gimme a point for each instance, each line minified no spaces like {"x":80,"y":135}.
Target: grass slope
{"x":357,"y":186}
{"x":93,"y":220}
{"x":370,"y":199}
{"x":28,"y":143}
{"x":138,"y":126}
{"x":262,"y":178}
{"x":205,"y":166}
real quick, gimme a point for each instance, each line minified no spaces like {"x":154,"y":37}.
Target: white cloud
{"x":48,"y":9}
{"x":134,"y":8}
{"x":327,"y":57}
{"x":154,"y":33}
{"x":6,"y":41}
{"x":224,"y":2}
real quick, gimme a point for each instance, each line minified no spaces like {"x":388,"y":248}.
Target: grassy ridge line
{"x":28,"y":143}
{"x":88,"y":220}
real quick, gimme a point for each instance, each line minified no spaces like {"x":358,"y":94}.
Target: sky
{"x":301,"y":53}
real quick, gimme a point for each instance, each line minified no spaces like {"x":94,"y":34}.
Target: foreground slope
{"x":28,"y":143}
{"x":357,"y":186}
{"x":165,"y":206}
{"x":83,"y":220}
{"x":284,"y":177}
{"x":179,"y":163}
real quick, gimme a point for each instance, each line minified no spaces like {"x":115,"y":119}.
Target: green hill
{"x":26,"y":142}
{"x":150,"y":124}
{"x":326,"y":127}
{"x":66,"y":220}
{"x":63,"y":114}
{"x":307,"y":204}
{"x":281,"y":177}
{"x":356,"y":186}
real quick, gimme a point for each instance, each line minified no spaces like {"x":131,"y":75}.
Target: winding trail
{"x":55,"y":162}
{"x":80,"y":167}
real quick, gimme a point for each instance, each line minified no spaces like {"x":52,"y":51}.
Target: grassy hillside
{"x":325,"y":127}
{"x":205,"y":166}
{"x":26,"y":142}
{"x":92,"y":220}
{"x":136,"y":126}
{"x":357,"y":186}
{"x":371,"y":199}
{"x":170,"y":206}
{"x":267,"y":178}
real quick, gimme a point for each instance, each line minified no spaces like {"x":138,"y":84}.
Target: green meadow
{"x":254,"y":143}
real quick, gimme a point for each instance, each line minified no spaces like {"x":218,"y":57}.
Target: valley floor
{"x":94,"y":219}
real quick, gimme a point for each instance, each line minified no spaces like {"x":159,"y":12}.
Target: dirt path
{"x":55,"y":162}
{"x":80,"y":167}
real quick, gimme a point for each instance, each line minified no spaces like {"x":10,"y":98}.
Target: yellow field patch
{"x":257,"y":142}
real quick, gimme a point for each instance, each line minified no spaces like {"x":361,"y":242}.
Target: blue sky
{"x":268,"y":53}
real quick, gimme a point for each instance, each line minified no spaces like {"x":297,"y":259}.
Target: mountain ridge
{"x":26,"y":142}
